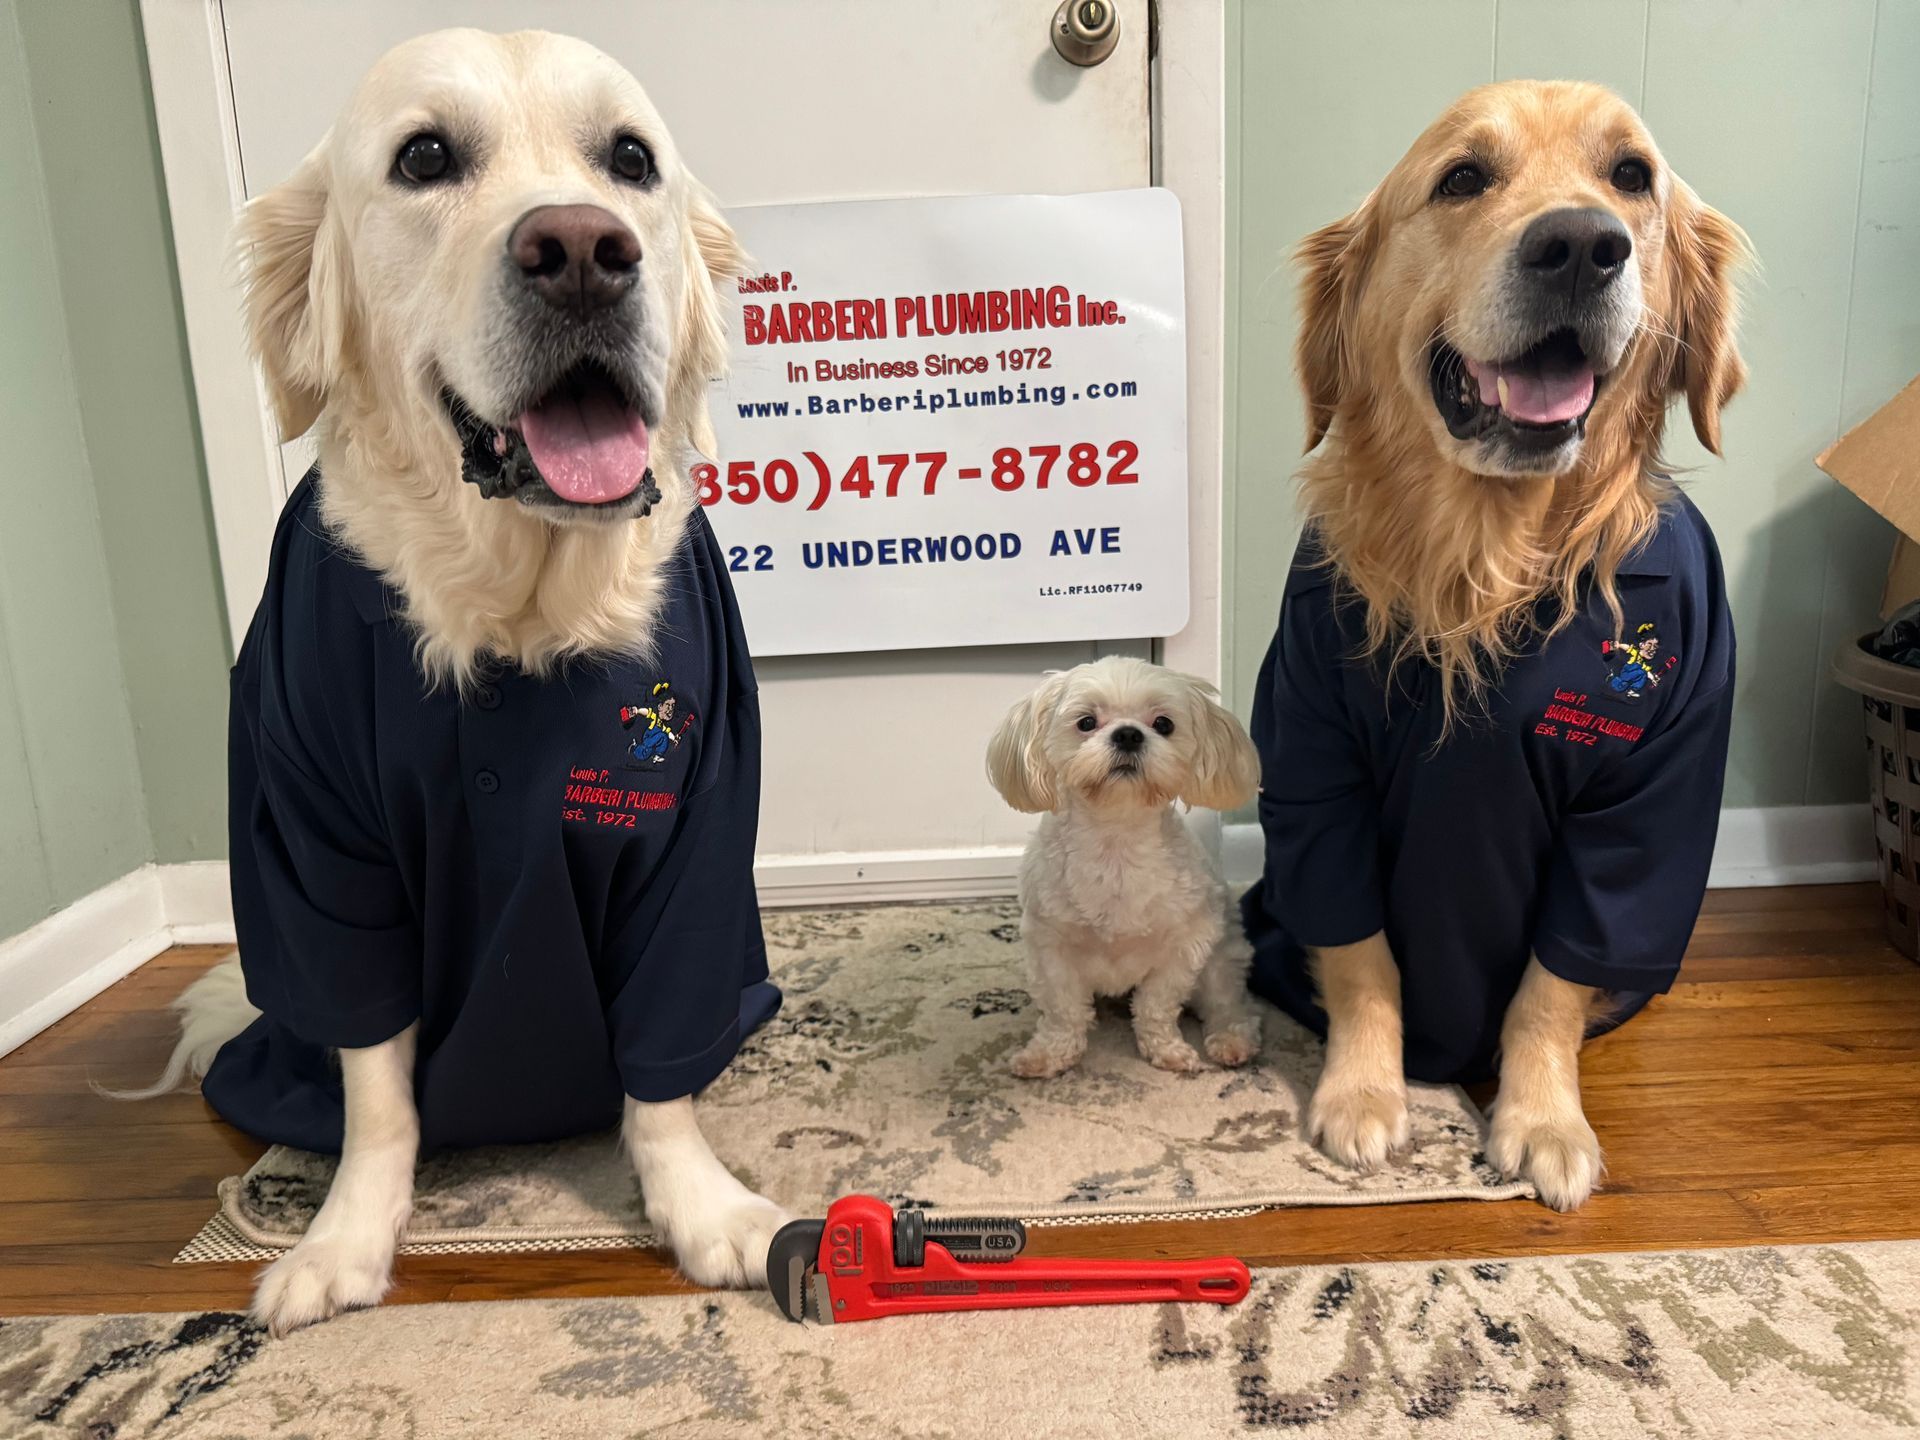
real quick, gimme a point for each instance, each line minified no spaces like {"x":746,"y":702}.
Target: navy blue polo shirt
{"x":553,"y":876}
{"x":1574,"y":819}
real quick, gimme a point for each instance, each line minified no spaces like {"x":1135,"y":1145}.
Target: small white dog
{"x":1116,"y":893}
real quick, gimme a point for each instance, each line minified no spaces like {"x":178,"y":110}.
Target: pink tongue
{"x":589,"y":448}
{"x":1538,"y":397}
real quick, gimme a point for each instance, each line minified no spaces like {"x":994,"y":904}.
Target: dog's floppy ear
{"x":1704,"y":252}
{"x":1017,"y":755}
{"x":299,"y":291}
{"x":713,"y":261}
{"x":1332,"y":261}
{"x":1225,"y":773}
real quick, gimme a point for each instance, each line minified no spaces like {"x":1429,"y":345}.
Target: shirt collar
{"x":1310,"y":569}
{"x":377,"y":601}
{"x":373,"y":598}
{"x":1654,"y":559}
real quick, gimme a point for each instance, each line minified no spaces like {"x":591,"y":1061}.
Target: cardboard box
{"x":1903,"y":577}
{"x":1879,"y":460}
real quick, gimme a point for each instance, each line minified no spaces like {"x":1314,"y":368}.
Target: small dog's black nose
{"x":577,"y":258}
{"x":1575,"y":253}
{"x":1129,"y":738}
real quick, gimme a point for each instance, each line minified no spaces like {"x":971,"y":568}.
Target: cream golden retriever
{"x":494,"y":289}
{"x":374,"y":309}
{"x":1488,"y":346}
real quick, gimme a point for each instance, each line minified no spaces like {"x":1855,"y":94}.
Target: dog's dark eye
{"x":1088,"y":724}
{"x":631,"y":160}
{"x":1633,"y":177}
{"x":1162,"y":725}
{"x":425,"y":159}
{"x":1462,"y":181}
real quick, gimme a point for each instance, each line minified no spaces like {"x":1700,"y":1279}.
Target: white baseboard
{"x":1242,"y":852}
{"x":197,"y":903}
{"x":71,"y":956}
{"x":792,"y":881}
{"x":1799,"y":845}
{"x":64,"y":961}
{"x":1781,"y":845}
{"x":50,"y":971}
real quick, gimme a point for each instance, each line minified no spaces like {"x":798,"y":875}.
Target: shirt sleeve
{"x":330,"y":945}
{"x":1318,"y":807}
{"x":1630,"y":861}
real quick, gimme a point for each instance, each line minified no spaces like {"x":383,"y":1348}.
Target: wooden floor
{"x":1772,"y":1097}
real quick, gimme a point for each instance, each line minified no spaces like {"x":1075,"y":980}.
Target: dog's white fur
{"x":363,"y":301}
{"x":211,"y":1011}
{"x":345,"y":1259}
{"x":1117,"y":895}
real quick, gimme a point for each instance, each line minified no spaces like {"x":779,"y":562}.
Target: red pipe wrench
{"x":863,"y":1262}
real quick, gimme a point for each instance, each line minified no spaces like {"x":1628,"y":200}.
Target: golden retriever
{"x":368,"y":310}
{"x":495,"y":290}
{"x":1488,"y":347}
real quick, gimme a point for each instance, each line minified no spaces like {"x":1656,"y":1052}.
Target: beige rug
{"x":1758,"y":1344}
{"x":886,"y":1072}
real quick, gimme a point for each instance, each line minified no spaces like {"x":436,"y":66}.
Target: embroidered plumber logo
{"x":661,"y":734}
{"x":1633,"y":667}
{"x":1637,"y":665}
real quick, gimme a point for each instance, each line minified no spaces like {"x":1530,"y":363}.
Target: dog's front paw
{"x":320,"y":1277}
{"x":1358,"y":1125}
{"x":1559,"y":1154}
{"x":717,"y":1229}
{"x":1234,"y":1045}
{"x":1043,"y":1057}
{"x":725,"y":1248}
{"x":1177,"y":1056}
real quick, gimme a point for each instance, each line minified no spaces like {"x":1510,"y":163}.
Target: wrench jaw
{"x":820,"y":1300}
{"x":801,"y":1254}
{"x":793,"y":1269}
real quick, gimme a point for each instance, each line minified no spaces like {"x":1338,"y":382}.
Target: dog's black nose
{"x":577,"y":258}
{"x":1129,"y":738}
{"x":1575,"y":253}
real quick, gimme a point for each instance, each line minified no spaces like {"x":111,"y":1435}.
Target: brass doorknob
{"x":1085,"y":31}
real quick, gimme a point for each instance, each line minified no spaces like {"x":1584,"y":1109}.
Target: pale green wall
{"x":112,"y":649}
{"x":1765,"y":106}
{"x":72,"y":815}
{"x":93,"y":116}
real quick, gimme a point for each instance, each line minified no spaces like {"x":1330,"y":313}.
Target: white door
{"x":873,"y":760}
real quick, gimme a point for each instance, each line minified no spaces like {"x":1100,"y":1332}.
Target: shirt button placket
{"x":492,"y":787}
{"x":486,"y":698}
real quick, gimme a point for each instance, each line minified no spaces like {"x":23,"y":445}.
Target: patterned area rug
{"x":1748,"y":1343}
{"x":886,"y":1072}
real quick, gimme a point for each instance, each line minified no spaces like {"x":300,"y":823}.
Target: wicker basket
{"x":1890,"y":698}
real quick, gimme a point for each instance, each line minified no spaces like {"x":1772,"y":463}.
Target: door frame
{"x":200,"y":151}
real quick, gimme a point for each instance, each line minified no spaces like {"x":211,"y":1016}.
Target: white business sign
{"x":956,"y":422}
